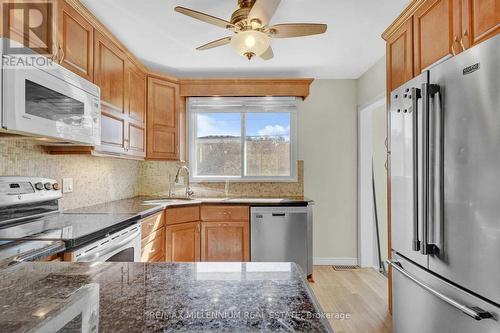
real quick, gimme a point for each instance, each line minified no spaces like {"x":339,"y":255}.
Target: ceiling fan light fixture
{"x":250,"y":42}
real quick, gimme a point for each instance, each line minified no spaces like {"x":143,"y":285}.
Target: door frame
{"x":366,"y":241}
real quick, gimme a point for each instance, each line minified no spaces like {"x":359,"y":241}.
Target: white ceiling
{"x":166,"y":40}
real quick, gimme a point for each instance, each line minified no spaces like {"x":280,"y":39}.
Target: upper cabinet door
{"x":76,"y":42}
{"x":400,"y":55}
{"x":434,"y":38}
{"x":109,"y":73}
{"x":163,"y":120}
{"x":481,"y":20}
{"x":136,"y":110}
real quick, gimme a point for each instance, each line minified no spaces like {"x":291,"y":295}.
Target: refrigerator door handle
{"x":427,"y":91}
{"x":415,"y":96}
{"x":473,"y":312}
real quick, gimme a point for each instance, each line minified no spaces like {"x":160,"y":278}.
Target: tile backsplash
{"x":95,"y":180}
{"x":98,"y":179}
{"x":154,"y":178}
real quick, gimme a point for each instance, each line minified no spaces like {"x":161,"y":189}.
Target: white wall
{"x":327,"y":144}
{"x":371,"y":85}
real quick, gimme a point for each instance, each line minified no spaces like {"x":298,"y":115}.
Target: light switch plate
{"x":67,"y":185}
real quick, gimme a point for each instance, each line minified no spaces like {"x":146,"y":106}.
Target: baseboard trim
{"x":324,"y":261}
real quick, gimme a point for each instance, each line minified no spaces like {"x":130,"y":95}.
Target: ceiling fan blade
{"x":204,"y":17}
{"x":296,"y":30}
{"x":263,"y":11}
{"x":268,"y":55}
{"x":215,"y":43}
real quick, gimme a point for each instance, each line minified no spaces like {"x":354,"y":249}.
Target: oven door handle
{"x":97,"y":252}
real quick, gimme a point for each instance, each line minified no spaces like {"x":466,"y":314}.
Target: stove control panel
{"x":20,"y":190}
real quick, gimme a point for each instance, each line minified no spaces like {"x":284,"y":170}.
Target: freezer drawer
{"x":282,"y":234}
{"x":418,"y":310}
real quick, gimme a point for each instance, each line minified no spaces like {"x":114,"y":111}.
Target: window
{"x":243,"y":139}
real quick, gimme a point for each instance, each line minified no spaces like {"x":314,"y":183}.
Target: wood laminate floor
{"x":361,"y":293}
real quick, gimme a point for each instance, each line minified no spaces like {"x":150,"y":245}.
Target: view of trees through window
{"x":221,"y":150}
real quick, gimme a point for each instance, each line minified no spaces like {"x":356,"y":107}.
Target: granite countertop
{"x":153,"y":297}
{"x":82,"y":225}
{"x":147,"y":205}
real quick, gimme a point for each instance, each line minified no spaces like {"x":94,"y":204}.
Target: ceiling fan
{"x":250,"y":24}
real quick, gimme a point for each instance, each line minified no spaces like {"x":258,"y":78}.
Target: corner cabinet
{"x":163,"y":109}
{"x":183,"y":242}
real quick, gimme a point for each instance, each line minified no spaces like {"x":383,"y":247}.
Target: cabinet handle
{"x":55,"y":52}
{"x":453,"y":46}
{"x":62,"y":55}
{"x":464,"y":35}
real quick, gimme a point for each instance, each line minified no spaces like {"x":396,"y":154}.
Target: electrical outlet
{"x":67,"y":185}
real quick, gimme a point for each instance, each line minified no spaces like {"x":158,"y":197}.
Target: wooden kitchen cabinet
{"x":399,"y":57}
{"x":224,"y":213}
{"x":135,"y":110}
{"x":109,"y":75}
{"x":183,"y":242}
{"x":225,"y":233}
{"x":75,"y":49}
{"x":178,"y":215}
{"x":433,"y":33}
{"x":123,"y":100}
{"x":162,"y":119}
{"x":153,"y":238}
{"x":480,"y":20}
{"x":225,"y":241}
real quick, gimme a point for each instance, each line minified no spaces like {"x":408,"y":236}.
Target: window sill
{"x":195,"y":180}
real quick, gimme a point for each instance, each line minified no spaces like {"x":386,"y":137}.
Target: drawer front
{"x":182,"y":214}
{"x":153,"y":236}
{"x":154,"y":248}
{"x":152,"y":223}
{"x":224,"y":213}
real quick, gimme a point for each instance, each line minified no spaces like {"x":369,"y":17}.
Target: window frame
{"x":242,"y":109}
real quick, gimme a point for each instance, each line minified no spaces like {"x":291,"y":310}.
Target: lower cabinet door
{"x":225,"y":241}
{"x":183,"y":242}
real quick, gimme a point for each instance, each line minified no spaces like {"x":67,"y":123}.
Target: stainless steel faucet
{"x":189,"y":192}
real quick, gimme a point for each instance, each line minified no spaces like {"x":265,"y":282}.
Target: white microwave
{"x":41,"y":98}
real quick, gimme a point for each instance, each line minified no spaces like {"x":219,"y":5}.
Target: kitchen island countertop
{"x":152,"y":297}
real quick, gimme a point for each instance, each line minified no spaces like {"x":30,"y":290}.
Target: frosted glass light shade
{"x":250,"y":43}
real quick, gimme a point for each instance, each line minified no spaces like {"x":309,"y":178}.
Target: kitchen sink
{"x":162,"y":201}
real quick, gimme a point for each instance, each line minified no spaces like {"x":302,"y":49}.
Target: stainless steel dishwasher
{"x":282,"y":234}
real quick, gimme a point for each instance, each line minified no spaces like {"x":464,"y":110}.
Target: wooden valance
{"x":245,"y":87}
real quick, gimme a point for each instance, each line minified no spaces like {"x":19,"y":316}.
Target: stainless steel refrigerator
{"x":445,"y":196}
